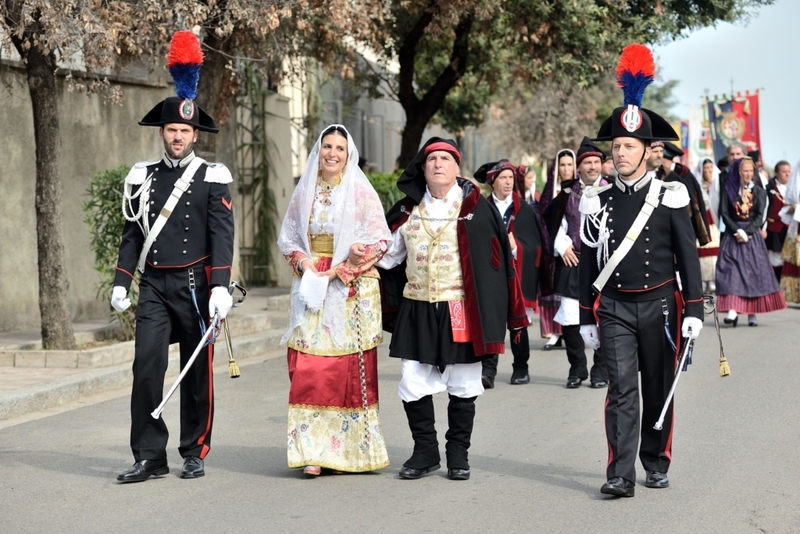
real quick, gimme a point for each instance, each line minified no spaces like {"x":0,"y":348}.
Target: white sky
{"x":761,"y":55}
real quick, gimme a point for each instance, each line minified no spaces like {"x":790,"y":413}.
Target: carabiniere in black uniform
{"x":641,"y":300}
{"x":194,"y":249}
{"x":631,"y":307}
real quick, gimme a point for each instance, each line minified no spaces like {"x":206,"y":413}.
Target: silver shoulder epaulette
{"x":675,"y":195}
{"x":218,"y":173}
{"x":138,"y":173}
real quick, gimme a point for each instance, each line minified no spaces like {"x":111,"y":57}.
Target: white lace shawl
{"x":791,"y":197}
{"x":358,"y":218}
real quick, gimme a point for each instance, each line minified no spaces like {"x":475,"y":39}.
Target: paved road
{"x":538,"y":458}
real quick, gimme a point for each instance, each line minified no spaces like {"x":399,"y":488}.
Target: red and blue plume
{"x":184,"y":59}
{"x":635,"y":71}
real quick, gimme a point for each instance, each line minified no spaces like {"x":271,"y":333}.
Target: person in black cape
{"x":525,"y":239}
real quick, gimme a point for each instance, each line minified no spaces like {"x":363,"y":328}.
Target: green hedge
{"x":105,"y":220}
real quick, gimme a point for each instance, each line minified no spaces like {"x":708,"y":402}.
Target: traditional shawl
{"x":358,"y":218}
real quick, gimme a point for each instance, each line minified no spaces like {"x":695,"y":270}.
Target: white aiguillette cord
{"x":180,"y":187}
{"x":650,"y":204}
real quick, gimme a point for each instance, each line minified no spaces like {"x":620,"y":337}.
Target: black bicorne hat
{"x":184,"y":60}
{"x":645,"y":124}
{"x":184,"y":111}
{"x":671,"y":150}
{"x":635,"y":71}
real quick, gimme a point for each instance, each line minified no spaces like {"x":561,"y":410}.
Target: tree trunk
{"x":212,"y":91}
{"x":57,"y":332}
{"x":419,"y":111}
{"x":412,"y":136}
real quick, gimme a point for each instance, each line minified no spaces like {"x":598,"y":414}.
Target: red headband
{"x":585,"y":155}
{"x":656,"y":144}
{"x":497,"y":169}
{"x":447,"y":147}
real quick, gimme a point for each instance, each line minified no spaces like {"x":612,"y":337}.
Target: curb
{"x":254,"y":335}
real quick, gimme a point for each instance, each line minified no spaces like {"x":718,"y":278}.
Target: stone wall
{"x":94,"y":136}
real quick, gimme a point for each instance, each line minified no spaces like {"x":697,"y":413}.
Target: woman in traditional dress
{"x":706,"y":173}
{"x":333,"y":233}
{"x":790,"y":214}
{"x":745,"y":283}
{"x":562,"y":169}
{"x":525,"y":185}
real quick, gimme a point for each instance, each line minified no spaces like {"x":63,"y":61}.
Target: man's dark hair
{"x":782,"y":162}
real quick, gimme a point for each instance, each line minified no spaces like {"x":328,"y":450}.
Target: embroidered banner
{"x":734,"y":120}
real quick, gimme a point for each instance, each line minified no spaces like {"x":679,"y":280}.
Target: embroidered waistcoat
{"x":433,"y":264}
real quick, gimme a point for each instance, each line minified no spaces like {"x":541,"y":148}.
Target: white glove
{"x":118,"y":300}
{"x":221,"y":301}
{"x":744,"y":235}
{"x":691,"y":327}
{"x":590,"y":335}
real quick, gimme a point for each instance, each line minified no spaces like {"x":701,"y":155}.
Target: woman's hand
{"x":330,"y":273}
{"x":308,"y":266}
{"x":357,"y":252}
{"x":512,"y":241}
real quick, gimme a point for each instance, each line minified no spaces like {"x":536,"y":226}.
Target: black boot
{"x":489,"y":371}
{"x":460,"y":419}
{"x":576,"y":354}
{"x":421,"y":422}
{"x":521,"y":349}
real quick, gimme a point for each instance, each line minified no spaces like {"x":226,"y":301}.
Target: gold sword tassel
{"x":233,"y":369}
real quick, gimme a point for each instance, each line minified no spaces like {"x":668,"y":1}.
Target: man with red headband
{"x":449,"y":294}
{"x":525,"y":237}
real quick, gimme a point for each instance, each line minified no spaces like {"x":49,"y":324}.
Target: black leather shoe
{"x":618,"y":486}
{"x":144,"y":469}
{"x":733,"y":322}
{"x":599,"y":384}
{"x":573,"y":382}
{"x":192,"y":467}
{"x":520,"y":377}
{"x":488,"y":383}
{"x":458,"y":474}
{"x":551,"y":346}
{"x":411,"y":473}
{"x":656,"y":480}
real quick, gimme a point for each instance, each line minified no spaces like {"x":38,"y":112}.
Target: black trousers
{"x":166,"y":311}
{"x":634,"y":342}
{"x":520,"y":349}
{"x":576,"y":356}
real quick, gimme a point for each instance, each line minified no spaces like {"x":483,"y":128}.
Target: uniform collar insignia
{"x":182,"y":163}
{"x":643,"y":181}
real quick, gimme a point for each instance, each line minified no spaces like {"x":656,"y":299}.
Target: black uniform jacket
{"x":527,"y":231}
{"x":493,"y":300}
{"x":199,"y":232}
{"x":647,"y":272}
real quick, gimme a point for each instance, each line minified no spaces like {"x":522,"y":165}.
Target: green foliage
{"x":104,"y":216}
{"x":385,"y":185}
{"x":254,"y":171}
{"x":456,"y":56}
